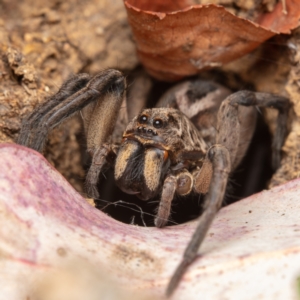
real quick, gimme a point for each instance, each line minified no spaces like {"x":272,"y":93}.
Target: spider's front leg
{"x":234,"y":132}
{"x":181,"y":184}
{"x":100,"y":99}
{"x":29,"y":131}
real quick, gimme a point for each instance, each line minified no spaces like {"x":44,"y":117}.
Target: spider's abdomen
{"x":140,"y":170}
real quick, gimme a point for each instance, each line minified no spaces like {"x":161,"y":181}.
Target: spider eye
{"x":143,"y":119}
{"x":158,"y":123}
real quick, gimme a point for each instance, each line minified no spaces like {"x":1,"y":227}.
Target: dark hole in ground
{"x":250,"y":177}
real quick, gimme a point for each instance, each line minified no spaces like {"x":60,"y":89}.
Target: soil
{"x":44,"y":42}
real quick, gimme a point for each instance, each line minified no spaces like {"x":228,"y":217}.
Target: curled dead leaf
{"x":176,"y":38}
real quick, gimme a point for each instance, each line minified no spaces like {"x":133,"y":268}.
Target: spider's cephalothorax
{"x":151,"y":148}
{"x":194,"y":138}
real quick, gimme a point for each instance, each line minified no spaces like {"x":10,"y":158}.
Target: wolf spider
{"x":190,"y":142}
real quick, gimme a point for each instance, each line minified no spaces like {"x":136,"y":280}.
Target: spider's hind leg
{"x":282,"y":104}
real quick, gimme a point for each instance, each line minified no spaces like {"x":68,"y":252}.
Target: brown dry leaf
{"x":176,"y":39}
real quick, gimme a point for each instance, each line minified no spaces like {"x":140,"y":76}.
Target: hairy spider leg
{"x":33,"y":121}
{"x":98,"y":162}
{"x":224,"y":158}
{"x":164,"y":208}
{"x":282,"y":104}
{"x":182,"y":184}
{"x":105,"y":83}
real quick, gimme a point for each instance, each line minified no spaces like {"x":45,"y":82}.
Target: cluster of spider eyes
{"x":157,"y":123}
